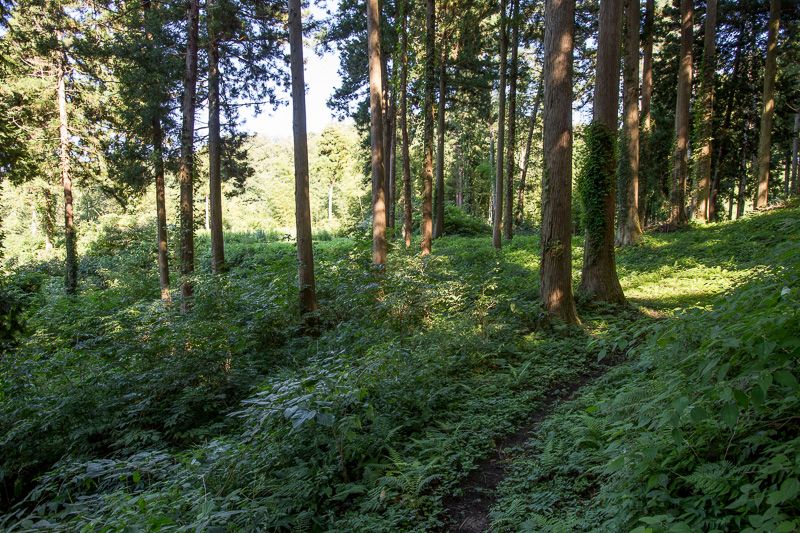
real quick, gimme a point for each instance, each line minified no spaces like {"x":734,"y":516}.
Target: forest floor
{"x":431,"y":400}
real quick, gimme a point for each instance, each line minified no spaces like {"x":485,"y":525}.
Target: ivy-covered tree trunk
{"x":305,"y":253}
{"x":555,"y":275}
{"x":647,"y":93}
{"x":438,"y":196}
{"x":427,"y":165}
{"x":407,"y":219}
{"x":376,"y":134}
{"x":705,"y":105}
{"x":680,"y":163}
{"x":598,"y":175}
{"x":497,"y":222}
{"x":768,"y":104}
{"x":525,"y":162}
{"x":508,"y":205}
{"x":71,"y":277}
{"x":186,"y":169}
{"x":628,"y":228}
{"x":214,"y":155}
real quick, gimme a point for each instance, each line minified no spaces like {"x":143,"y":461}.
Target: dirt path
{"x":469,"y":513}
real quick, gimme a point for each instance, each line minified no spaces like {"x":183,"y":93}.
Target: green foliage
{"x":459,"y":222}
{"x":694,"y":434}
{"x":596,"y":180}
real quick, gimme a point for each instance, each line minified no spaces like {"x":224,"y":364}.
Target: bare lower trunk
{"x":628,"y":228}
{"x":768,"y":104}
{"x":526,"y":160}
{"x":186,"y":169}
{"x":404,"y":127}
{"x":556,"y":239}
{"x":647,"y":93}
{"x":214,"y":158}
{"x":376,"y":134}
{"x":680,"y":164}
{"x":427,"y":170}
{"x":438,"y":218}
{"x":392,"y":198}
{"x":387,"y":130}
{"x":49,"y":220}
{"x":702,"y":155}
{"x":508,"y":221}
{"x":795,"y":146}
{"x":497,"y":222}
{"x":161,"y":211}
{"x":305,"y":253}
{"x":71,"y":278}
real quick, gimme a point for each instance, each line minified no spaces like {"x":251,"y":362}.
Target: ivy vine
{"x":596,"y":181}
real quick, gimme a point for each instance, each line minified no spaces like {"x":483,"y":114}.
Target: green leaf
{"x":789,"y":490}
{"x":741,"y":399}
{"x":698,"y":414}
{"x":136,"y":477}
{"x":757,"y":396}
{"x":730,"y":414}
{"x":787,"y":379}
{"x":616,"y":464}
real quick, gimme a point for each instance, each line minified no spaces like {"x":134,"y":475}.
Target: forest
{"x":541,"y":274}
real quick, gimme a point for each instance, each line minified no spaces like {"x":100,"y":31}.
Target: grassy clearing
{"x":417,"y":372}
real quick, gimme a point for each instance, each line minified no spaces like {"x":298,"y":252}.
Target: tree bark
{"x":556,"y":240}
{"x":49,"y":222}
{"x":768,"y":104}
{"x":392,"y":197}
{"x":647,"y":94}
{"x":404,"y":127}
{"x":508,"y":219}
{"x":387,"y":130}
{"x":214,"y":156}
{"x":680,"y":164}
{"x":438,"y":219}
{"x":71,"y":278}
{"x":186,"y":168}
{"x":497,"y":223}
{"x":376,"y":134}
{"x":161,"y":211}
{"x":305,"y":253}
{"x":427,"y":170}
{"x":599,"y":275}
{"x":702,"y":176}
{"x":521,"y":193}
{"x":628,"y":228}
{"x":795,"y":147}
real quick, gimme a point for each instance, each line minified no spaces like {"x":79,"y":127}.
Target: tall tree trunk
{"x":508,"y":219}
{"x":599,"y":275}
{"x":376,"y":134}
{"x":161,"y":197}
{"x":427,"y":169}
{"x":526,"y":160}
{"x":647,"y":94}
{"x":71,"y":278}
{"x":556,"y":244}
{"x":702,"y":176}
{"x":438,"y":219}
{"x":214,"y":155}
{"x":680,"y":164}
{"x":628,"y":229}
{"x":186,"y":168}
{"x":768,"y":103}
{"x":387,"y":129}
{"x":392,"y":199}
{"x":408,"y":221}
{"x":497,"y":223}
{"x":49,"y":222}
{"x":493,"y":197}
{"x":161,"y":210}
{"x":787,"y":173}
{"x":795,"y":147}
{"x":305,"y":253}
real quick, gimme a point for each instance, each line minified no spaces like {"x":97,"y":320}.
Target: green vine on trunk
{"x":596,"y":181}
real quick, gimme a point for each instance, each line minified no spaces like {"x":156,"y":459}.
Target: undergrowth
{"x":230,"y":419}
